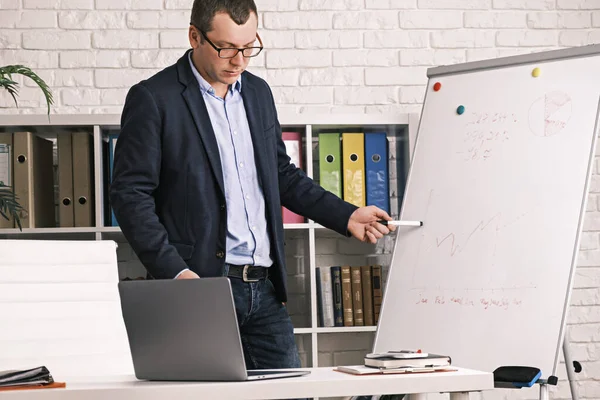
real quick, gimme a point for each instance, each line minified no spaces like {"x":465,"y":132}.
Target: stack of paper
{"x":399,"y":362}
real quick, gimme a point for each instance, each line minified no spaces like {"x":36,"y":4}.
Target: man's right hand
{"x":187,"y":274}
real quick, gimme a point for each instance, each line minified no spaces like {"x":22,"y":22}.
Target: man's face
{"x":220,"y":72}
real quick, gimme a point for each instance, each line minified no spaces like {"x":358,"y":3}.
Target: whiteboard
{"x":501,"y":190}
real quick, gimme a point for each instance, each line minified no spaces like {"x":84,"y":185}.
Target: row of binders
{"x":27,"y":166}
{"x":348,"y":295}
{"x":353,"y":166}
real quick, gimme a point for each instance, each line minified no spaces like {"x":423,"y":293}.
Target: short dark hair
{"x":203,"y":12}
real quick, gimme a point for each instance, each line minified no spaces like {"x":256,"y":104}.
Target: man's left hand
{"x":363,"y":224}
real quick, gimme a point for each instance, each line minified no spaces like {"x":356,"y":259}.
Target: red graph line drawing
{"x":429,"y":242}
{"x":454,"y":246}
{"x":481,"y":226}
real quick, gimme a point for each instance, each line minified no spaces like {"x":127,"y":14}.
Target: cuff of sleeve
{"x":176,"y":276}
{"x":351,"y":210}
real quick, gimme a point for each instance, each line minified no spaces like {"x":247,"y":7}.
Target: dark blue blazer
{"x":167,"y":185}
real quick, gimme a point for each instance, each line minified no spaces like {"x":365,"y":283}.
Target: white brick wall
{"x":357,"y":56}
{"x":375,"y":39}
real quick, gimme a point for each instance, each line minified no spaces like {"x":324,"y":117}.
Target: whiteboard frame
{"x":561,"y":337}
{"x":511,"y":61}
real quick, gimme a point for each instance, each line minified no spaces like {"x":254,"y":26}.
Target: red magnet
{"x":437,"y":86}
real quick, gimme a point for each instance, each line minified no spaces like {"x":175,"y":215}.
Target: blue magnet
{"x":460,"y":109}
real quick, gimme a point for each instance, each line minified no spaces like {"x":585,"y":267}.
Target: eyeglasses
{"x":231,"y":52}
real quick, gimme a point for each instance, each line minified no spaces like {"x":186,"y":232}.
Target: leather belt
{"x":248,"y":273}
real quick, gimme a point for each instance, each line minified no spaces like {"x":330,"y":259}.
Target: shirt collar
{"x":205,"y":86}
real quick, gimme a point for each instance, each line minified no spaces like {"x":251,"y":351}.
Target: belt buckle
{"x":245,"y":275}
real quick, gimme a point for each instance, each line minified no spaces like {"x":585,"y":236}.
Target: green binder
{"x":330,"y":162}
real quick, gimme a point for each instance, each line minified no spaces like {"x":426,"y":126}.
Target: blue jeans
{"x":265,"y":326}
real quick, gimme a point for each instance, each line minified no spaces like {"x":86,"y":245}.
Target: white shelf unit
{"x":400,"y":127}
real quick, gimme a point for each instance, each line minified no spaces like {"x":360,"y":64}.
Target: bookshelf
{"x":303,"y":240}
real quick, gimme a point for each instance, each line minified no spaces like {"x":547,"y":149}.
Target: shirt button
{"x":247,"y":196}
{"x":241,"y":164}
{"x":220,"y":254}
{"x":235,"y":132}
{"x":254,"y":228}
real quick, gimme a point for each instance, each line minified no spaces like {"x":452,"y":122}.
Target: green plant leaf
{"x":7,"y":82}
{"x":11,"y":86}
{"x":9,"y":205}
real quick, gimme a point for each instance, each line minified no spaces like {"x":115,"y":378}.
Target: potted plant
{"x":9,"y":205}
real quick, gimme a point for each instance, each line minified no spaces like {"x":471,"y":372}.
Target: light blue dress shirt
{"x":247,"y":235}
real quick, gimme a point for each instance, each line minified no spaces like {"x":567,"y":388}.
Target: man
{"x":200,"y":175}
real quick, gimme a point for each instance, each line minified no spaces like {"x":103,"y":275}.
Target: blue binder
{"x":112,"y":142}
{"x":376,"y":166}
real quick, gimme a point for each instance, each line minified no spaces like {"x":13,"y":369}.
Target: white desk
{"x":322,"y":382}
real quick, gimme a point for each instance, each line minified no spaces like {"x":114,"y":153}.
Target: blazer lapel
{"x":197,"y":107}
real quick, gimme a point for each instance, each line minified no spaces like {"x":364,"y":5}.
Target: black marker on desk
{"x":401,"y":223}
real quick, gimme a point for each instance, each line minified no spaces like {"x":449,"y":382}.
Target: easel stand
{"x":544,"y":395}
{"x":576,"y":368}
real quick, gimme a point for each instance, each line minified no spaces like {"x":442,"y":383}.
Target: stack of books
{"x":400,"y":362}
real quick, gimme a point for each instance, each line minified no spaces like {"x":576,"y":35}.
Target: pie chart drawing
{"x":550,"y":114}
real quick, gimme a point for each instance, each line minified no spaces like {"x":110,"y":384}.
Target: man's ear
{"x":194,"y":37}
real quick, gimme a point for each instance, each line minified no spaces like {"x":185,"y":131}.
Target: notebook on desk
{"x":186,"y":330}
{"x":431,"y":360}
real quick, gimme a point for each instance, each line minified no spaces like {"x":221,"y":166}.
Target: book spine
{"x":347,"y":296}
{"x":338,"y":314}
{"x":318,"y":284}
{"x":327,"y":297}
{"x":377,"y":291}
{"x":367,"y":290}
{"x":357,"y":299}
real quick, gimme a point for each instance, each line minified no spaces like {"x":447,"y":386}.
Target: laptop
{"x":186,"y":330}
